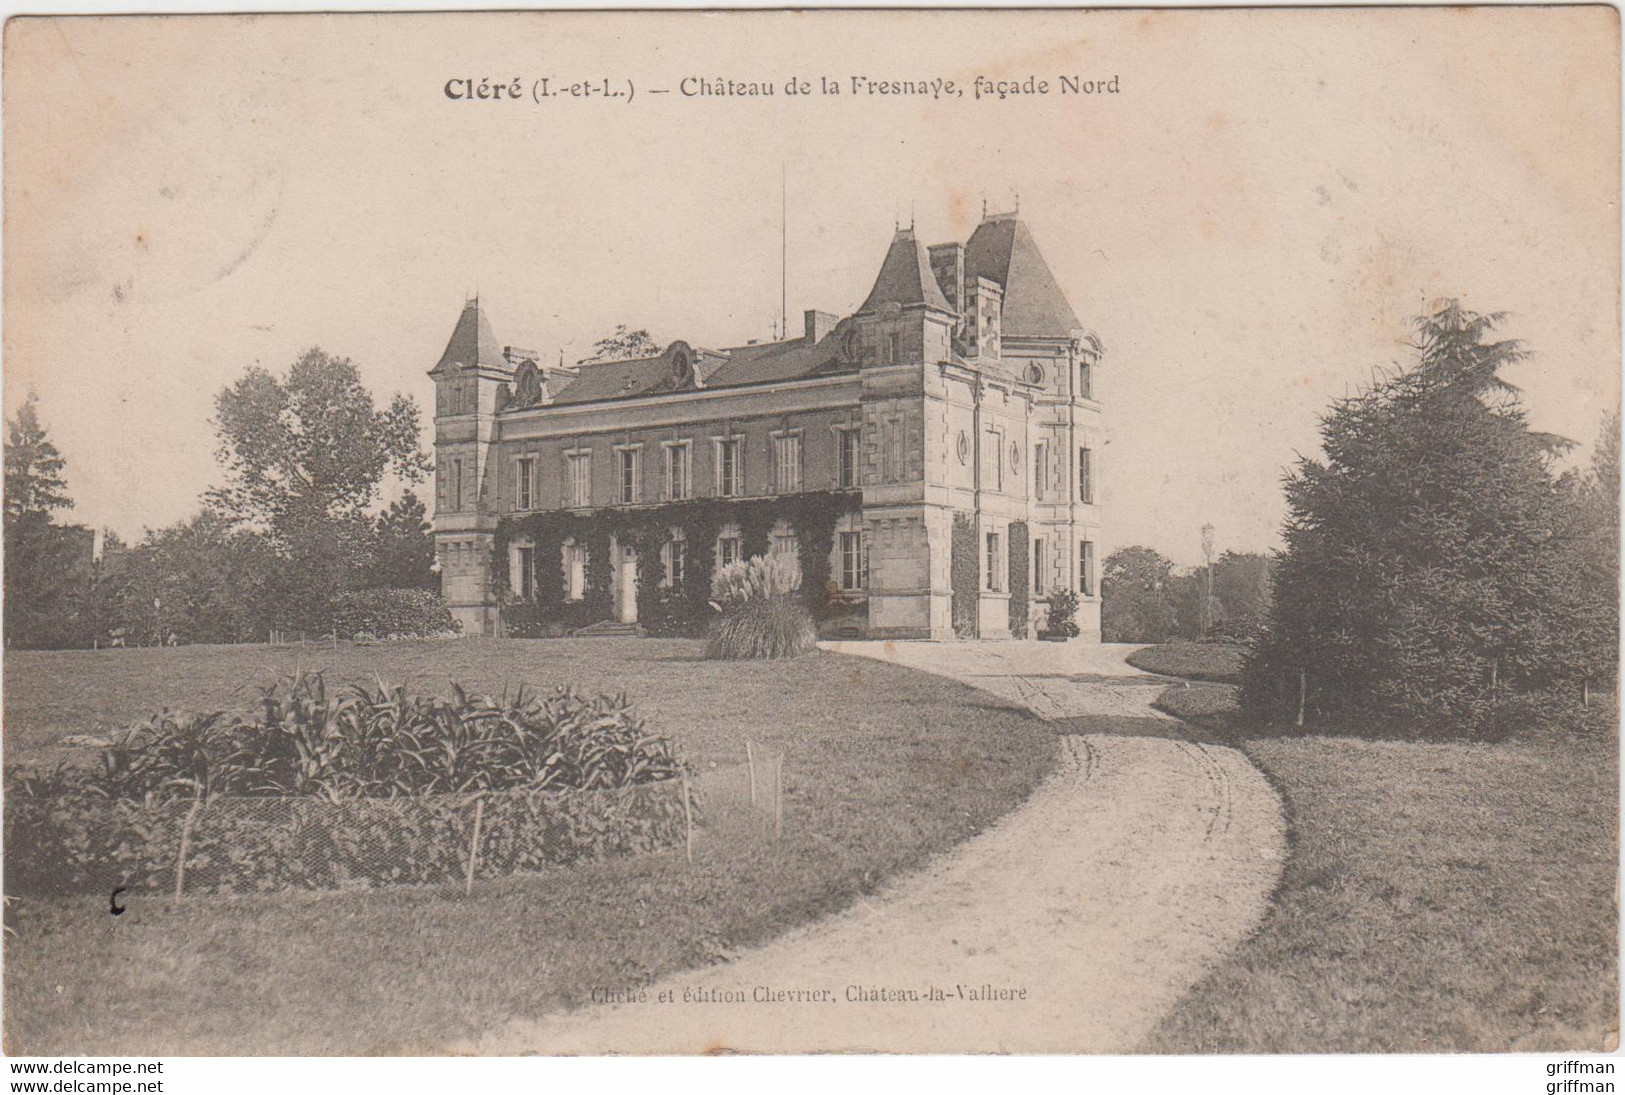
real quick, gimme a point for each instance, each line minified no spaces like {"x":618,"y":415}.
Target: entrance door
{"x":626,"y":586}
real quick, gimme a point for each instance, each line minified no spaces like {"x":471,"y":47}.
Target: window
{"x":629,"y":476}
{"x":993,"y":458}
{"x":891,"y":453}
{"x":1086,"y":483}
{"x":995,"y":563}
{"x":846,"y":457}
{"x":456,"y":484}
{"x":727,"y":550}
{"x":1086,"y":380}
{"x":730,"y":469}
{"x":854,"y":564}
{"x":679,"y":470}
{"x":524,"y":483}
{"x":784,"y":543}
{"x":575,"y":571}
{"x":1040,"y":469}
{"x":580,"y":478}
{"x":889,"y":352}
{"x":1086,"y":568}
{"x":787,"y":464}
{"x":527,"y":572}
{"x":676,"y":561}
{"x":1038,"y":567}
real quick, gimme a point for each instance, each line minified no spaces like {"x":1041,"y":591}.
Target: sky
{"x":1248,"y":223}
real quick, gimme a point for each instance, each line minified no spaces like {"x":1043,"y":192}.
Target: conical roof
{"x":473,"y":342}
{"x":905,"y":277}
{"x":1002,"y":249}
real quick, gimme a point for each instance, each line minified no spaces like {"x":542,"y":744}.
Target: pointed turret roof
{"x":1002,"y":249}
{"x":473,"y":342}
{"x":905,"y":277}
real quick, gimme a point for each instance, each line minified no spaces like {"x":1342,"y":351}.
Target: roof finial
{"x":1018,"y":201}
{"x":911,"y":214}
{"x":984,"y":205}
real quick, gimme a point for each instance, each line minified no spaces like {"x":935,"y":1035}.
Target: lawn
{"x":1438,"y":897}
{"x":1195,"y":661}
{"x":884,"y":767}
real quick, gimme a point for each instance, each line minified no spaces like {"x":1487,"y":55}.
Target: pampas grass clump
{"x":762,"y":614}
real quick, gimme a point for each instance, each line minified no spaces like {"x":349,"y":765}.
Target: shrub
{"x":362,"y":742}
{"x":393,"y":614}
{"x":762,"y":613}
{"x":1063,"y":614}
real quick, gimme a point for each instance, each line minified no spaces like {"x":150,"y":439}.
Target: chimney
{"x":819,"y":324}
{"x":948,"y":264}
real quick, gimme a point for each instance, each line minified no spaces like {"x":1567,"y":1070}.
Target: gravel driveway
{"x":1070,"y":927}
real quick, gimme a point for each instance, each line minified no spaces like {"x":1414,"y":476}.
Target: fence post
{"x":186,"y":844}
{"x":688,"y":822}
{"x":1303,"y":690}
{"x":750,"y":762}
{"x":778,"y":797}
{"x":474,"y":846}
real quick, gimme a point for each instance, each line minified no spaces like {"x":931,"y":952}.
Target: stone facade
{"x":964,"y":386}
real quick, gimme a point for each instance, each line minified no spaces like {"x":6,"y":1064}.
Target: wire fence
{"x":251,"y":845}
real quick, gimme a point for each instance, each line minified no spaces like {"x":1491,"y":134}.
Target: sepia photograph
{"x":1083,"y":532}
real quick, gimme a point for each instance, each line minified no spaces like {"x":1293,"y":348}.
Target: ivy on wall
{"x":965,"y":565}
{"x":685,"y":606}
{"x":1021,"y":580}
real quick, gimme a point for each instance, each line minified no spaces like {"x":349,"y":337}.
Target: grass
{"x":1196,"y":661}
{"x":884,"y":767}
{"x":1438,"y":897}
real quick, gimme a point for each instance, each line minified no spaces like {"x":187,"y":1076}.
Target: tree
{"x":1136,"y":606}
{"x":623,"y":345}
{"x":404,"y":555}
{"x":1424,"y":571}
{"x":305,"y":457}
{"x":47,"y":566}
{"x":1595,"y":558}
{"x":203,"y":580}
{"x":34,"y":483}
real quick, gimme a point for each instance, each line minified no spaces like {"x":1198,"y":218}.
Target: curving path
{"x":1070,"y":927}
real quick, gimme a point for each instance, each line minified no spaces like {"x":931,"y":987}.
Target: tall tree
{"x":47,"y":565}
{"x":1424,"y":568}
{"x":306,"y":455}
{"x":34,"y":483}
{"x":1137,"y":605}
{"x":404,"y":556}
{"x":623,"y":345}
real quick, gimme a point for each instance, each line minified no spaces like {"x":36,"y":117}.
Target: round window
{"x":1015,"y":457}
{"x":963,"y":447}
{"x":1035,"y":374}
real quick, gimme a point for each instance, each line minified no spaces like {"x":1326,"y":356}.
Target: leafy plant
{"x":762,"y":614}
{"x":383,"y":742}
{"x":1063,"y":614}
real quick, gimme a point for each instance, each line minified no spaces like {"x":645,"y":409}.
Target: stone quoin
{"x":958,"y":403}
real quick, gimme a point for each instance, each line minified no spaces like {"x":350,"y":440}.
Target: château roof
{"x":1002,"y":249}
{"x":473,"y":342}
{"x":905,"y":277}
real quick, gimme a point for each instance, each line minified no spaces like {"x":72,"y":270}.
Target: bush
{"x":670,"y":615}
{"x":762,"y":613}
{"x":393,"y":614}
{"x":1063,"y":614}
{"x":363,"y":742}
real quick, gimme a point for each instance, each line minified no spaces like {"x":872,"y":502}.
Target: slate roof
{"x":1002,"y":249}
{"x":905,"y":277}
{"x":473,"y":342}
{"x":762,"y":363}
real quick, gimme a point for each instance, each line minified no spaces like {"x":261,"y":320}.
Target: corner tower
{"x":470,"y":380}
